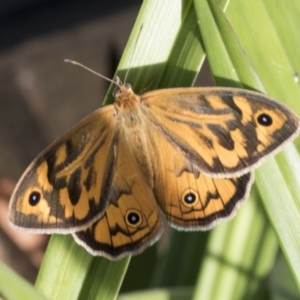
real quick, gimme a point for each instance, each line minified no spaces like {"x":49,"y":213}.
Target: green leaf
{"x":64,"y":268}
{"x":274,"y":62}
{"x":13,"y":287}
{"x":248,"y":24}
{"x":159,"y":294}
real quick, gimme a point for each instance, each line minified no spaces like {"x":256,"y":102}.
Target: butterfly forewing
{"x":223,"y":132}
{"x":66,"y":187}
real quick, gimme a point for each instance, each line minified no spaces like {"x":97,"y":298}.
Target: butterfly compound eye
{"x":128,"y":86}
{"x":116,"y":92}
{"x":34,"y":198}
{"x":133,"y":218}
{"x":264,"y":119}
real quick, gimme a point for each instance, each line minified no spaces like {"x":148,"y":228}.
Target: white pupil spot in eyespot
{"x":264,"y":119}
{"x":34,"y":198}
{"x":190,"y":198}
{"x":133,"y":218}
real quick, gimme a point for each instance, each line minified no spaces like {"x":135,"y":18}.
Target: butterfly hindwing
{"x":190,"y":199}
{"x":132,"y":220}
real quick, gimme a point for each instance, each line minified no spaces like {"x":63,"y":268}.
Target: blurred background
{"x":41,"y":96}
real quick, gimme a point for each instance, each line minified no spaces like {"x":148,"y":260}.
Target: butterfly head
{"x":125,"y":98}
{"x":121,"y":87}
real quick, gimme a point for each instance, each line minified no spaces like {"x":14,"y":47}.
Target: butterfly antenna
{"x":148,"y":86}
{"x":136,"y":41}
{"x":94,"y":72}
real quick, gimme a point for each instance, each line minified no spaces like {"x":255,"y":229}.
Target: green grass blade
{"x":180,"y":293}
{"x":247,"y":61}
{"x":260,"y":29}
{"x":283,"y":211}
{"x":274,"y":62}
{"x":104,"y":279}
{"x":282,"y":284}
{"x":69,"y":272}
{"x":64,"y":268}
{"x":235,"y":263}
{"x":13,"y":287}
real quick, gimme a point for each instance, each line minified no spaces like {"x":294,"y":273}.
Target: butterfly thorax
{"x":132,"y":126}
{"x":127,"y":105}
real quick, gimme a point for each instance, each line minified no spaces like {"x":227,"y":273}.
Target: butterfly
{"x":184,"y":154}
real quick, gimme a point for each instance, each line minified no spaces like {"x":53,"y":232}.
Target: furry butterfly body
{"x":185,"y":152}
